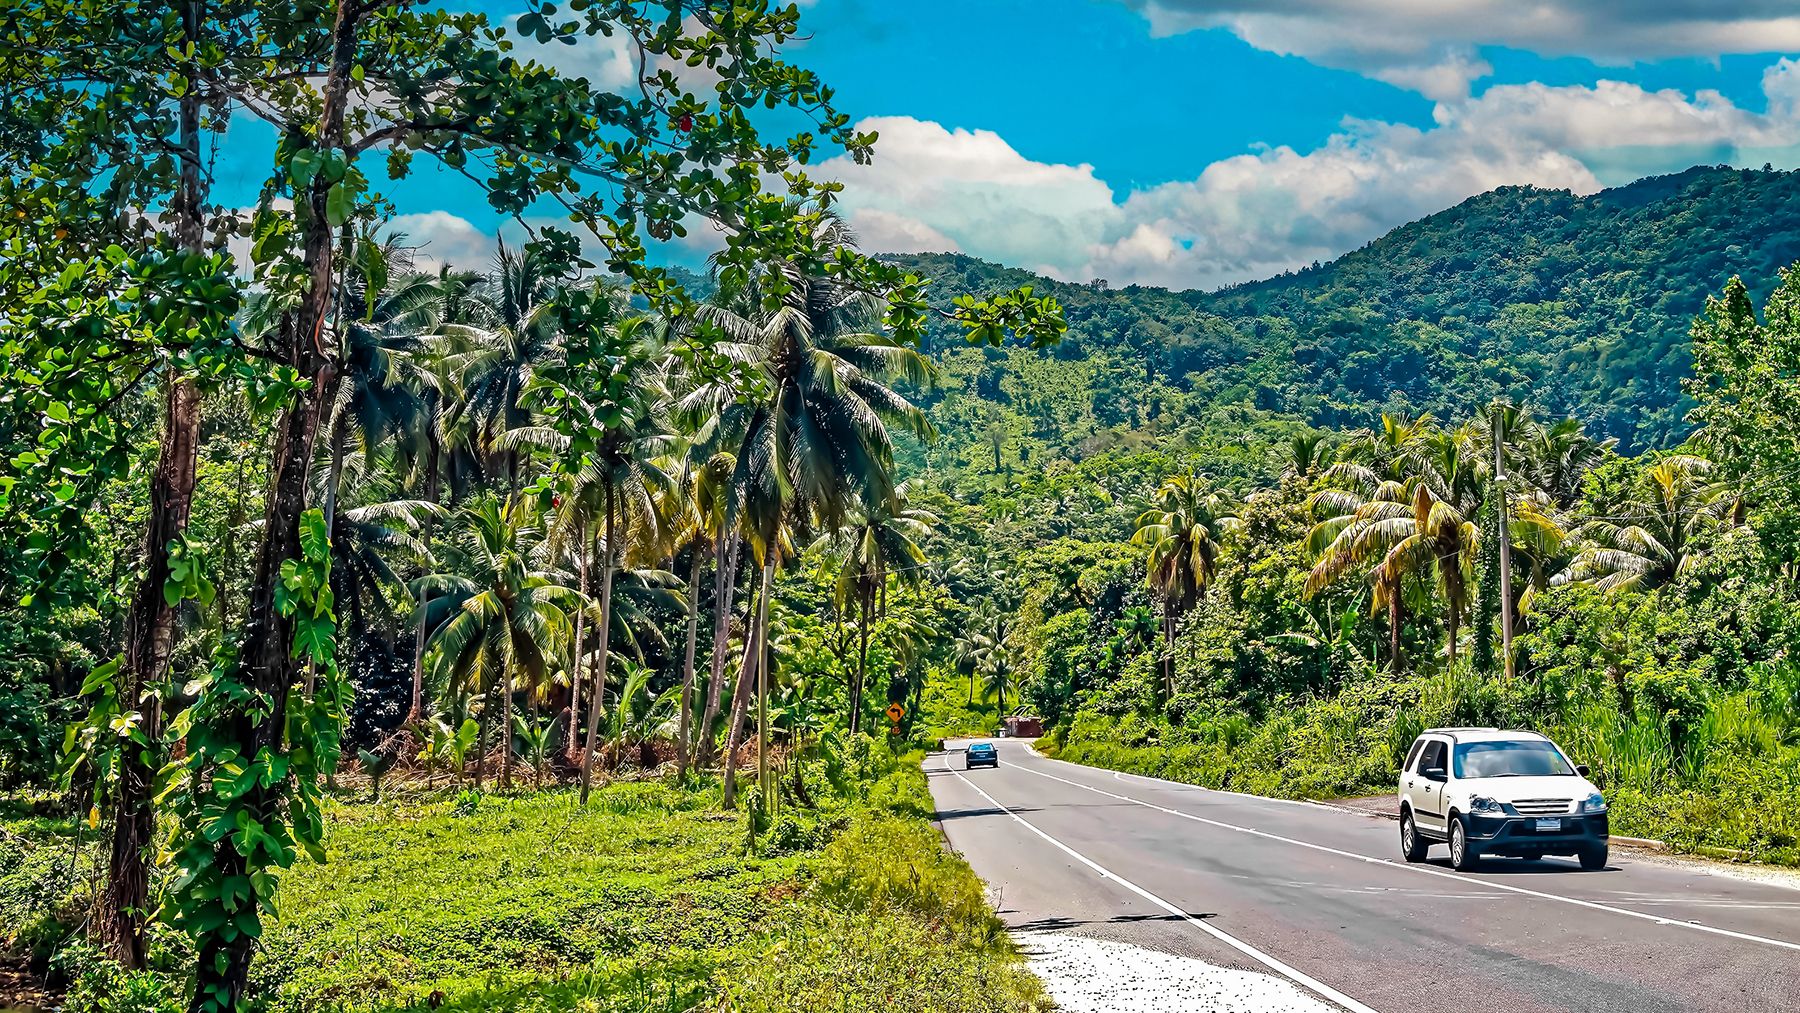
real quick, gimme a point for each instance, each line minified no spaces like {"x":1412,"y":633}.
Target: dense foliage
{"x":323,"y":522}
{"x":1582,"y":301}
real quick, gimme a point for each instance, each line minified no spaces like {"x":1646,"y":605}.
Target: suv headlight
{"x":1595,"y":803}
{"x":1483,"y":804}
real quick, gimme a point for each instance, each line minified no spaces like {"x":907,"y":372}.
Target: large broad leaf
{"x":303,"y":167}
{"x":340,"y":201}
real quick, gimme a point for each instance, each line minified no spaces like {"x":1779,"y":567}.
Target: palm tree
{"x":607,"y":414}
{"x":386,"y":369}
{"x":496,"y":615}
{"x":986,"y":635}
{"x":1182,"y":532}
{"x":815,"y":441}
{"x":507,"y":333}
{"x":1663,"y":533}
{"x":999,"y":677}
{"x":1554,"y":459}
{"x":1307,"y":453}
{"x":878,"y":541}
{"x":712,"y":493}
{"x":1385,"y":525}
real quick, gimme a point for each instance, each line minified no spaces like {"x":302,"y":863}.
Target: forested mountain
{"x":1578,"y":305}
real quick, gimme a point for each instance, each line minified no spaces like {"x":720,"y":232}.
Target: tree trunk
{"x":1168,"y":653}
{"x":150,"y":620}
{"x":606,"y":589}
{"x":149,"y":640}
{"x":481,"y":739}
{"x":265,"y":660}
{"x":765,"y":786}
{"x":1394,"y":631}
{"x":725,"y":562}
{"x":740,"y":702}
{"x":505,"y":735}
{"x":580,"y":645}
{"x":862,"y":662}
{"x":685,"y":726}
{"x":415,"y":709}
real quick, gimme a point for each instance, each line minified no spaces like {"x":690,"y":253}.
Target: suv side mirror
{"x":1435,"y":774}
{"x":1583,"y":770}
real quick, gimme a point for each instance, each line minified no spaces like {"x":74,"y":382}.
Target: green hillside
{"x":1579,"y":305}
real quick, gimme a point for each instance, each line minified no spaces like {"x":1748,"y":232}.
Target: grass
{"x":645,"y":900}
{"x":650,"y":899}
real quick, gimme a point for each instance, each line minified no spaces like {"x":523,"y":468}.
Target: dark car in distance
{"x":981,"y":754}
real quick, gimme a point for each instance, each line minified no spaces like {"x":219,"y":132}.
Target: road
{"x":1322,"y":898}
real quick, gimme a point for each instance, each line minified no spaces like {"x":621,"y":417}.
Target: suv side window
{"x":1433,"y":755}
{"x":1412,"y":755}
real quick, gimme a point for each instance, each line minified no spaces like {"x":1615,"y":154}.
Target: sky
{"x":1200,"y":143}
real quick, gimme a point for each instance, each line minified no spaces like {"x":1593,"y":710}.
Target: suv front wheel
{"x":1412,"y":847}
{"x":1462,"y":852}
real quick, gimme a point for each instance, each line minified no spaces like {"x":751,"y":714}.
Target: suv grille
{"x":1544,"y":806}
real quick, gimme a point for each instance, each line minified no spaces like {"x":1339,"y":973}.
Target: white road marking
{"x":1424,"y":870}
{"x":1120,"y":775}
{"x":1298,"y":976}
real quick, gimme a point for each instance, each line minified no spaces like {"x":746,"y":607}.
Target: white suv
{"x":1484,"y":791}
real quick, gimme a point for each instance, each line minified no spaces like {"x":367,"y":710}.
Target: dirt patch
{"x":21,"y":991}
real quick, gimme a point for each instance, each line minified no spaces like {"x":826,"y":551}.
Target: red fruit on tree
{"x":686,"y":123}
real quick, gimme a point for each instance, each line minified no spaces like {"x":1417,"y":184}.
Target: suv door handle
{"x":1430,"y":786}
{"x":1409,"y":782}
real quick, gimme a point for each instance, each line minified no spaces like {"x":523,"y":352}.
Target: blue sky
{"x":1194,"y":143}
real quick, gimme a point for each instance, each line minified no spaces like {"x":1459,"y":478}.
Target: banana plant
{"x":449,"y":746}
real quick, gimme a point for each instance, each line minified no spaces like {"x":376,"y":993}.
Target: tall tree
{"x":878,"y":542}
{"x":1664,"y":531}
{"x":499,"y":619}
{"x":1182,"y":532}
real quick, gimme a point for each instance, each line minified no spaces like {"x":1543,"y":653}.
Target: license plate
{"x":1551,"y":825}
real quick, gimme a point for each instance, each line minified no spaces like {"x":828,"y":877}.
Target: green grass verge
{"x":649,"y":899}
{"x":645,"y":900}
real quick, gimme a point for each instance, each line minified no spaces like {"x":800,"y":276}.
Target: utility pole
{"x":1502,"y":530}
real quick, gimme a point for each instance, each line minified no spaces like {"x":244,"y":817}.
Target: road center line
{"x":1298,"y":977}
{"x":1467,"y":880}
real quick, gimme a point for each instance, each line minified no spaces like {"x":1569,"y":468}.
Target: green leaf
{"x":340,"y":203}
{"x":304,"y":166}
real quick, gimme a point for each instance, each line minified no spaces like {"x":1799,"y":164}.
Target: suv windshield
{"x":1517,"y":758}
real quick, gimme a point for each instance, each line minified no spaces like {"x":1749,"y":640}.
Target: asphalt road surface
{"x":1322,"y":897}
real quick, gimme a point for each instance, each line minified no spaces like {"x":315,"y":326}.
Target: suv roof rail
{"x":1470,"y":728}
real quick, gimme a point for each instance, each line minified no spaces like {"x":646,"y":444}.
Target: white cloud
{"x":1263,"y":212}
{"x":439,"y":238}
{"x":1429,"y":45}
{"x":607,"y":61}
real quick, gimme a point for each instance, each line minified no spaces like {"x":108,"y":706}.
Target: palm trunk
{"x":1169,"y":653}
{"x":724,"y":584}
{"x":505,"y":732}
{"x":763,"y":783}
{"x":481,"y":741}
{"x":415,"y":709}
{"x":1453,"y":624}
{"x":740,"y":703}
{"x":1394,"y":631}
{"x":580,"y":645}
{"x":685,"y":726}
{"x":606,"y":589}
{"x":862,"y":663}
